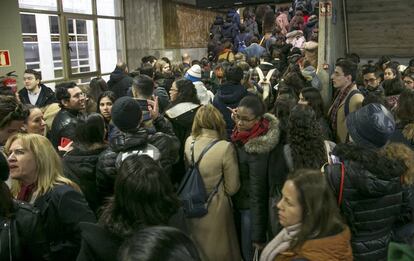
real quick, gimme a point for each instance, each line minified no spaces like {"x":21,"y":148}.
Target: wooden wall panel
{"x":185,"y":26}
{"x":381,"y":27}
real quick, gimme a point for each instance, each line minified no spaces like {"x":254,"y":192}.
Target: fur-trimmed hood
{"x":370,"y":159}
{"x":266,"y":142}
{"x":408,"y":132}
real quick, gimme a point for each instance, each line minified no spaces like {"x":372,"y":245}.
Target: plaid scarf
{"x":335,"y":106}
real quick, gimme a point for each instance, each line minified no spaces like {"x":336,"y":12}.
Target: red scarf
{"x":26,"y":192}
{"x":260,"y":128}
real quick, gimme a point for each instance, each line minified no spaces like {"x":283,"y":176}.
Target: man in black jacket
{"x":119,"y":81}
{"x":132,"y":138}
{"x":72,"y":102}
{"x":34,"y":92}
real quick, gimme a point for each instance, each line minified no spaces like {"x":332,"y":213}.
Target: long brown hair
{"x":320,"y":216}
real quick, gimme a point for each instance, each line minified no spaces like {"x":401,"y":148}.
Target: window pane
{"x":28,"y":23}
{"x":54,"y":24}
{"x":83,"y":50}
{"x":77,"y":6}
{"x":39,"y":5}
{"x":80,"y":26}
{"x":56,"y":52}
{"x":110,"y":43}
{"x":109,"y":7}
{"x":31,"y":52}
{"x":82,"y":46}
{"x":33,"y":66}
{"x":70,"y":26}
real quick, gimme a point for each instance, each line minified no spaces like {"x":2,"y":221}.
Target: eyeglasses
{"x":238,"y":119}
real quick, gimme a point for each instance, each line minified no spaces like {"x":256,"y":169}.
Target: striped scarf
{"x":335,"y":106}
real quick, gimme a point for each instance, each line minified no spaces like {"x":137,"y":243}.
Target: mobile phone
{"x":64,"y":142}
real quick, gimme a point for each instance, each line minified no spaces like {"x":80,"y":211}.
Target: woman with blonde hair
{"x":214,"y":233}
{"x":37,"y":177}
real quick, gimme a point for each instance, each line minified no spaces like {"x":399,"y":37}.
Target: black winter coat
{"x":98,"y":243}
{"x":181,"y":117}
{"x":79,"y":165}
{"x":119,"y":82}
{"x":46,"y":96}
{"x":164,"y":139}
{"x":229,"y":95}
{"x":62,"y":209}
{"x":229,"y":31}
{"x":64,"y":125}
{"x":253,"y":194}
{"x":372,"y":198}
{"x":23,"y":234}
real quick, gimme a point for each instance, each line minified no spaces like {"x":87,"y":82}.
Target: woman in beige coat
{"x":215,"y":233}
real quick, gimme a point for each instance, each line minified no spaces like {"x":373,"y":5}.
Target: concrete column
{"x":331,"y":43}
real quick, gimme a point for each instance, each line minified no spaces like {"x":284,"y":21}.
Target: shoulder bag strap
{"x":192,"y":152}
{"x":348,"y":100}
{"x":207,"y":148}
{"x":214,"y":191}
{"x":341,"y":186}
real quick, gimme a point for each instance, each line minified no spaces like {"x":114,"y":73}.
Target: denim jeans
{"x":246,"y":234}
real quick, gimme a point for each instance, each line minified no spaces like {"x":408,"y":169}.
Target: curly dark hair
{"x":143,"y":197}
{"x":186,"y":92}
{"x":305,"y":138}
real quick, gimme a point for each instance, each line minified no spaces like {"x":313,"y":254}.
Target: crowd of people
{"x":97,"y":172}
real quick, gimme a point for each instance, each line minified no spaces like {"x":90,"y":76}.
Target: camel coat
{"x":215,"y":233}
{"x":354,"y":104}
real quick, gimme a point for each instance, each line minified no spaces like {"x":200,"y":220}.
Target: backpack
{"x":346,"y":105}
{"x":149,"y":150}
{"x":192,"y":192}
{"x":266,"y":85}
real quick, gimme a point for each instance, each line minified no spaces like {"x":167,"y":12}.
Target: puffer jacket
{"x":253,"y":194}
{"x":229,"y":31}
{"x":164,"y":139}
{"x":372,"y":198}
{"x":22,"y":236}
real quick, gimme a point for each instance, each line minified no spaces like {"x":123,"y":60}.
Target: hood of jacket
{"x":380,"y":166}
{"x":117,"y":75}
{"x":219,"y":20}
{"x":268,"y":141}
{"x":408,"y":132}
{"x":230,"y":93}
{"x":127,"y":141}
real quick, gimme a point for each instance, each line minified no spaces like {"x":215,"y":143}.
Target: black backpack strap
{"x":348,"y":99}
{"x":214,"y":191}
{"x":207,"y":148}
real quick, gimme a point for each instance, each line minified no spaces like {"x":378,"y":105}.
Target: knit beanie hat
{"x":371,"y":125}
{"x":126,"y":114}
{"x":194,"y":73}
{"x":4,"y":167}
